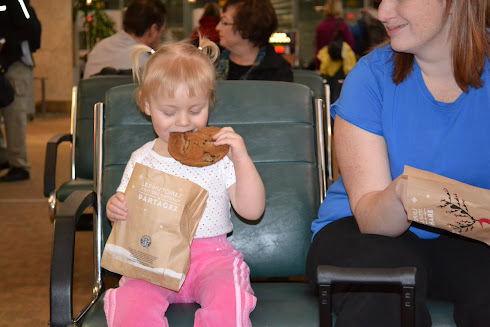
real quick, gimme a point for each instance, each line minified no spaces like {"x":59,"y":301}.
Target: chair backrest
{"x":277,"y":122}
{"x":312,"y":79}
{"x":90,"y":91}
{"x":320,"y":89}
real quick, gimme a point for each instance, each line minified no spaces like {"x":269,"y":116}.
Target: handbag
{"x":335,"y":46}
{"x":7,"y":92}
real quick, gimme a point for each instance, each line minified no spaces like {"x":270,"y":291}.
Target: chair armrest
{"x":403,"y":277}
{"x":50,"y":161}
{"x":387,"y":276}
{"x":61,"y":279}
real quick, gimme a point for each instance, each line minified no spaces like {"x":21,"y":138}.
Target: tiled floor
{"x":26,"y":236}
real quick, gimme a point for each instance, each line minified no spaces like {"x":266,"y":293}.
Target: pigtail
{"x":209,"y":48}
{"x":137,"y":51}
{"x":174,"y":64}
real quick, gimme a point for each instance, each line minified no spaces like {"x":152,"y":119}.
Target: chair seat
{"x":71,"y":186}
{"x":441,"y":313}
{"x":272,"y":297}
{"x":277,"y":298}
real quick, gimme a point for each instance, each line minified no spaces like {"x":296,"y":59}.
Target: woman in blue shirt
{"x":422,"y":100}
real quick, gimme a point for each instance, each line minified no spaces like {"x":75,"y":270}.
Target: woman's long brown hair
{"x":470,"y":44}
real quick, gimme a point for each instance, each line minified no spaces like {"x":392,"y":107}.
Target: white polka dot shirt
{"x":216,"y":179}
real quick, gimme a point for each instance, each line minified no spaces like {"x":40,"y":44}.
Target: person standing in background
{"x":325,"y":30}
{"x":368,"y":32}
{"x":207,"y":24}
{"x":143,"y":23}
{"x":331,"y":28}
{"x":21,"y":30}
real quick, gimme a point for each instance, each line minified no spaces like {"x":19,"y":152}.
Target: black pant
{"x":450,"y":268}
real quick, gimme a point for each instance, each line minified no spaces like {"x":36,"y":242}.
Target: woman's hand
{"x":116,"y":208}
{"x":401,"y":185}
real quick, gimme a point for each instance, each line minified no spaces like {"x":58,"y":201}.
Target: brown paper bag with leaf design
{"x":445,"y":203}
{"x":153,"y":244}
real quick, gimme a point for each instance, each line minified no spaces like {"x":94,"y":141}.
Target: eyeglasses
{"x":224,"y":23}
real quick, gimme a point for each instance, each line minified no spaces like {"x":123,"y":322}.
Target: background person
{"x":143,"y":23}
{"x":244,"y":29}
{"x":21,"y":30}
{"x":423,"y":101}
{"x":207,"y":24}
{"x":324,"y":31}
{"x":176,"y":89}
{"x":368,"y":32}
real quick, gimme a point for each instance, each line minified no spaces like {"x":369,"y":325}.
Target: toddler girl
{"x":177,"y":87}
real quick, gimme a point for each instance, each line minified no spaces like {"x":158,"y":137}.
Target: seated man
{"x":144,"y":22}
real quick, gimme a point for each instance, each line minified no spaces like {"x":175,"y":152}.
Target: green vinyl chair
{"x":321,"y":90}
{"x":279,"y":124}
{"x":81,"y":136}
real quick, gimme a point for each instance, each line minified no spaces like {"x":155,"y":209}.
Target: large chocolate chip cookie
{"x":197,"y":148}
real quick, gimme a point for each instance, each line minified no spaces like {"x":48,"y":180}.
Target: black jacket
{"x":15,"y":27}
{"x":272,"y":68}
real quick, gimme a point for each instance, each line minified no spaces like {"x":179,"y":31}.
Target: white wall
{"x":54,"y":60}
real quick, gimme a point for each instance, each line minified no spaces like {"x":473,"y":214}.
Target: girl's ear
{"x":147,"y":108}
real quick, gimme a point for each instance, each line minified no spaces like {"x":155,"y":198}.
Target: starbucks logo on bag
{"x":145,"y":241}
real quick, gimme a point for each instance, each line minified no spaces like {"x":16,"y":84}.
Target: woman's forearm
{"x":383,"y":212}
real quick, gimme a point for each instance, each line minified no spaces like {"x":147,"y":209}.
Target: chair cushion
{"x":277,"y":298}
{"x":274,"y":304}
{"x":441,"y":313}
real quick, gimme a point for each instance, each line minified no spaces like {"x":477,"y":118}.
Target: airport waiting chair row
{"x":278,"y":123}
{"x":282,"y":126}
{"x":81,"y":136}
{"x":84,"y":97}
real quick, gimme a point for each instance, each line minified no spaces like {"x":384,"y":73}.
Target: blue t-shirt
{"x":449,"y":139}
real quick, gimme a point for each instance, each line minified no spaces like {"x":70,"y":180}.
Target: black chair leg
{"x":325,"y":305}
{"x":408,"y":306}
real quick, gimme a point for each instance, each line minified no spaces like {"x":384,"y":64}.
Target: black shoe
{"x":4,"y":165}
{"x":15,"y":174}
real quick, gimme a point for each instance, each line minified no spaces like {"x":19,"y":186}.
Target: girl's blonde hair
{"x":174,"y":64}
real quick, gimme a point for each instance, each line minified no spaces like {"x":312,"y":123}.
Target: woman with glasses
{"x":244,"y":30}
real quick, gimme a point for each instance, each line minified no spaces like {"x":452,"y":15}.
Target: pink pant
{"x":218,"y":280}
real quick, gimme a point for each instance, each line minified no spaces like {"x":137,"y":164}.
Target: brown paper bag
{"x":153,"y":244}
{"x":441,"y":202}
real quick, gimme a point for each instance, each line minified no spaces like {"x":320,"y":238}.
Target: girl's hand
{"x":247,"y":195}
{"x":116,"y":208}
{"x":238,"y":151}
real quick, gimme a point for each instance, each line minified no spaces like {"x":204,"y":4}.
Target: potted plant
{"x":96,"y":23}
